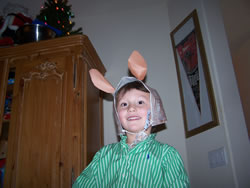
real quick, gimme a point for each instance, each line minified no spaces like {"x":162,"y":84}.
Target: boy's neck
{"x":131,"y":137}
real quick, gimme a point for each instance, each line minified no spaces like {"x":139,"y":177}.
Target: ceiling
{"x":236,"y":15}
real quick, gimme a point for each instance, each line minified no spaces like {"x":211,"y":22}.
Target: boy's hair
{"x":132,"y":85}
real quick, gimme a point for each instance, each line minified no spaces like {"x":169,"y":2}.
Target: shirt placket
{"x":124,"y":174}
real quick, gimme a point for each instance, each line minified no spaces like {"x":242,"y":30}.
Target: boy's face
{"x":132,"y":110}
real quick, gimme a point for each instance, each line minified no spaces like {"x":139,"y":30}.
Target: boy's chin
{"x":135,"y":130}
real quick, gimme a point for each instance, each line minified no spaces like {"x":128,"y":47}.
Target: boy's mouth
{"x":132,"y":118}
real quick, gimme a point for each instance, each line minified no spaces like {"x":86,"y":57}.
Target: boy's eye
{"x":140,"y":102}
{"x":124,"y":104}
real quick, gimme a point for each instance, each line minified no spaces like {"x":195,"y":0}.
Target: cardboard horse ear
{"x":136,"y":64}
{"x":100,"y":82}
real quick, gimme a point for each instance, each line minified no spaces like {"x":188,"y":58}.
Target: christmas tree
{"x":57,"y":14}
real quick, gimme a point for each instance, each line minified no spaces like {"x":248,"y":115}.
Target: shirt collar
{"x":142,"y":144}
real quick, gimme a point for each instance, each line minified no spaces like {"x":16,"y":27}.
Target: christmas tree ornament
{"x":58,"y":15}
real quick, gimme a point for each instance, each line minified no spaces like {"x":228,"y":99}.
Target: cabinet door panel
{"x":39,"y":119}
{"x":40,"y":125}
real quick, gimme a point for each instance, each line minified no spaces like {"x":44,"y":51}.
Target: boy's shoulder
{"x":108,"y":148}
{"x":160,"y":144}
{"x":166,"y":148}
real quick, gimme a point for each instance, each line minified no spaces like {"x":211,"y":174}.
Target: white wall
{"x":116,"y":29}
{"x":231,"y":133}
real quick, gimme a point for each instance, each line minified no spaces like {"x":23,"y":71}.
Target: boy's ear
{"x":137,"y":65}
{"x":100,"y":82}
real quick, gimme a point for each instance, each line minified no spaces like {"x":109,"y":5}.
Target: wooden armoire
{"x":54,"y":119}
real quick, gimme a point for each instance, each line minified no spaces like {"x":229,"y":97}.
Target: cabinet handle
{"x":75,"y":75}
{"x":72,"y":177}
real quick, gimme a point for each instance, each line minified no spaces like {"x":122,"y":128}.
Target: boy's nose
{"x":131,"y":108}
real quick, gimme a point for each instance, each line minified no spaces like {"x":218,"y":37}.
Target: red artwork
{"x":187,"y":50}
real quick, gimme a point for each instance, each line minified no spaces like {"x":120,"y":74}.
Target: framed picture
{"x":197,"y":97}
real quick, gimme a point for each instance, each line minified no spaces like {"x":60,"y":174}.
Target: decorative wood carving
{"x":44,"y":70}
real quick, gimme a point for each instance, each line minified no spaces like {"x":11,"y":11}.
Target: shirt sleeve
{"x":87,"y":177}
{"x":173,"y":170}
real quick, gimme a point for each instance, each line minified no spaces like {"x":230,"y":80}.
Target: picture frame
{"x":196,"y":91}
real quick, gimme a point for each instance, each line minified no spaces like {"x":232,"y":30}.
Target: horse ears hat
{"x":138,"y":67}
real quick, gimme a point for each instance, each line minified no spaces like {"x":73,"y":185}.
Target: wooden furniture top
{"x":73,"y":43}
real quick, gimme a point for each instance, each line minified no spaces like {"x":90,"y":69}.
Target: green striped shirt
{"x":149,"y":164}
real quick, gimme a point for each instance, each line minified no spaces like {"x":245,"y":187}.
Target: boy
{"x":138,"y":160}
